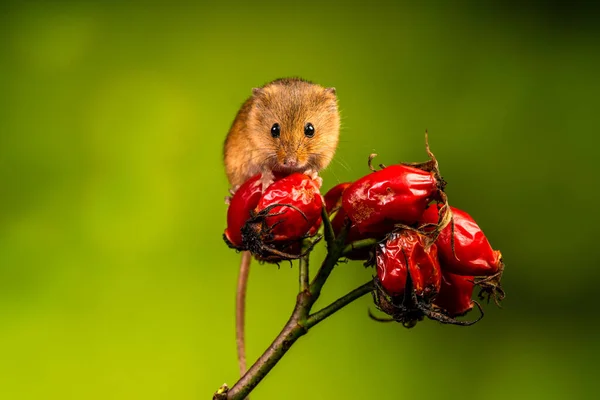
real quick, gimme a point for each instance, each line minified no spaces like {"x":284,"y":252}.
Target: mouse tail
{"x":240,"y":310}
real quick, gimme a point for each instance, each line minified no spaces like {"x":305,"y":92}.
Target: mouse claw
{"x":234,"y":189}
{"x":319,"y":181}
{"x":231,"y":193}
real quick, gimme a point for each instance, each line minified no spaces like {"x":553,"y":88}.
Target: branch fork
{"x":302,"y":318}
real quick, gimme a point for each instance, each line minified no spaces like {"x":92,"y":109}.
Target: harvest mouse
{"x":288,"y":125}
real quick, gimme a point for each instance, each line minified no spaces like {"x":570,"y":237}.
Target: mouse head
{"x":296,"y":123}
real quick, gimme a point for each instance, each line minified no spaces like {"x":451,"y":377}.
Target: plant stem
{"x":301,"y":320}
{"x":323,"y":273}
{"x":282,"y":343}
{"x":327,"y":229}
{"x":359,"y":244}
{"x":325,"y":312}
{"x":334,"y":252}
{"x":295,"y":328}
{"x":304,"y":269}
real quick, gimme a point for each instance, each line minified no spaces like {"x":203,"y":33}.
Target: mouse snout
{"x":290,"y":161}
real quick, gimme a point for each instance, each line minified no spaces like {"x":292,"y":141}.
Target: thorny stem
{"x":301,"y":319}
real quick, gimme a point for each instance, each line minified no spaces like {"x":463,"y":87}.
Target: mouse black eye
{"x":309,"y":130}
{"x":275,"y":130}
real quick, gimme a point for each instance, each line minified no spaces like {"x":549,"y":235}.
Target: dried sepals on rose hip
{"x":409,"y":278}
{"x":465,"y":250}
{"x":287,"y":212}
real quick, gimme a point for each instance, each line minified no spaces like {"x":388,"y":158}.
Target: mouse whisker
{"x":260,"y":155}
{"x":270,"y":159}
{"x":267,"y":149}
{"x":342,"y":162}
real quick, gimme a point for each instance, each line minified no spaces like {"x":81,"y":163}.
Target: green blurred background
{"x":114,"y":280}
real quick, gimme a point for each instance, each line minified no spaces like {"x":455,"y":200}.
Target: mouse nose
{"x":290,"y":161}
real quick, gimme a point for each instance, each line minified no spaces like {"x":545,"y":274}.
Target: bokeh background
{"x":114,"y":280}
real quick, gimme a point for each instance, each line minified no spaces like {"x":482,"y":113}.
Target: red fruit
{"x":473,"y":255}
{"x":407,"y":253}
{"x":243,"y":201}
{"x":395,"y":194}
{"x":293,"y":208}
{"x":455,"y":294}
{"x":333,"y":198}
{"x":403,"y":252}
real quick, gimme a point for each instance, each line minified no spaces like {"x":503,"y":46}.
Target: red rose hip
{"x":405,"y":252}
{"x":473,"y":255}
{"x":333,"y":201}
{"x":395,"y":194}
{"x":455,"y":294}
{"x":293,"y":206}
{"x":244,"y":200}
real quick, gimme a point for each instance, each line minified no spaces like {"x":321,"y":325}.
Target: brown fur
{"x":290,"y":102}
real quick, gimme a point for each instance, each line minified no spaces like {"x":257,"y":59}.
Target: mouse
{"x":287,"y":125}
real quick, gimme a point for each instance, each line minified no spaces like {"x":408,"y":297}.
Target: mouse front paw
{"x":234,"y":189}
{"x":314,"y":175}
{"x":231,"y":193}
{"x":266,"y":179}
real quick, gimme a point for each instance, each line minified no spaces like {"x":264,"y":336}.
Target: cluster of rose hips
{"x":429,"y":256}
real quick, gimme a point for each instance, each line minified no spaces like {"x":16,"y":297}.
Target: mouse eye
{"x":309,"y":130}
{"x":275,"y":130}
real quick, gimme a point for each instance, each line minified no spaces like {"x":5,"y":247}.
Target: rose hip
{"x":395,"y":194}
{"x":472,"y":254}
{"x":405,"y":255}
{"x":333,"y":201}
{"x":293,"y":205}
{"x":244,"y":200}
{"x":407,"y":252}
{"x":455,"y":294}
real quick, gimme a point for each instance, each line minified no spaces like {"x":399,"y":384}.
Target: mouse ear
{"x":330,"y":90}
{"x":257,"y":92}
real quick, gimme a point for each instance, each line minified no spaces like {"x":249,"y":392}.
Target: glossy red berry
{"x":406,"y":252}
{"x":455,"y":294}
{"x":407,"y":255}
{"x":395,"y":194}
{"x":293,"y":206}
{"x":244,"y":201}
{"x":333,"y":201}
{"x":473,"y":255}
